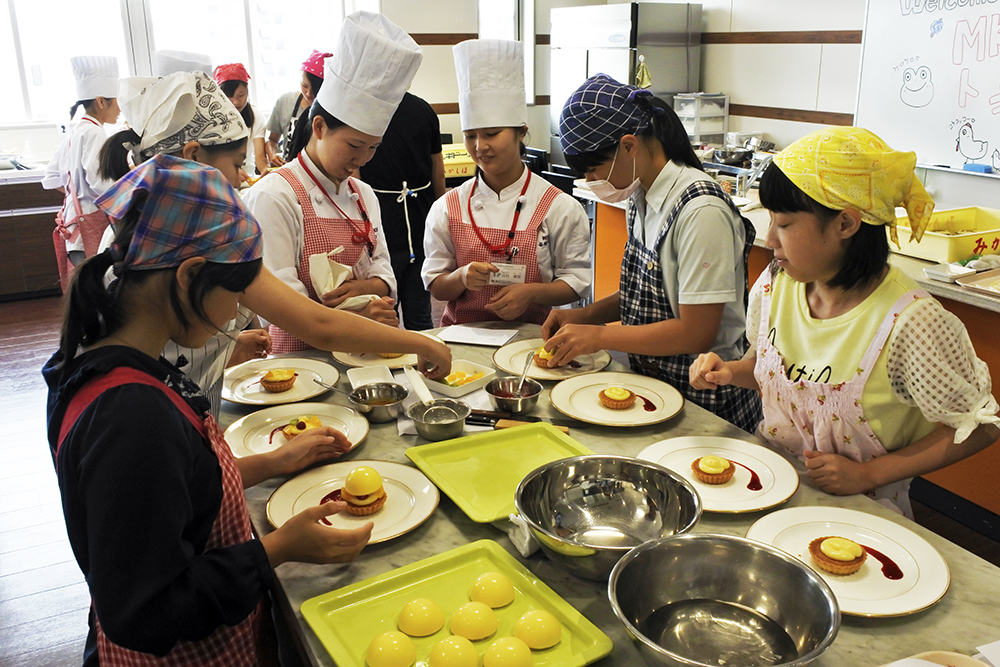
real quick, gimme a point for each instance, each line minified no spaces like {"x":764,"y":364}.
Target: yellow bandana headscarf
{"x":849,"y":167}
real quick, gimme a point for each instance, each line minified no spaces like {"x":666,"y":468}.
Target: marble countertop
{"x":959,"y":622}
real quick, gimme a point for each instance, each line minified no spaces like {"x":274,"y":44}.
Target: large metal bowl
{"x":589,"y":511}
{"x":504,"y":399}
{"x":442,"y":426}
{"x":733,"y":156}
{"x":702,"y":600}
{"x":379,"y":401}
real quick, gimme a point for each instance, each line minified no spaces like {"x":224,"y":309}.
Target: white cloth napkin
{"x":985,"y":263}
{"x":326,"y":273}
{"x":520,"y":535}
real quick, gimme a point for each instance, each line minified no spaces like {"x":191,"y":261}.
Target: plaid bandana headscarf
{"x":599,"y":113}
{"x":849,"y":167}
{"x":191,"y":210}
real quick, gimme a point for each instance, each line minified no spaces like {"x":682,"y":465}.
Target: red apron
{"x":471,"y":306}
{"x":227,"y":646}
{"x":319,"y":235}
{"x":90,"y":226}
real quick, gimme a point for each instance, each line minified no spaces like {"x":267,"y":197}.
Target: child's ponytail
{"x":92,"y":310}
{"x":113,"y":158}
{"x":80,"y":103}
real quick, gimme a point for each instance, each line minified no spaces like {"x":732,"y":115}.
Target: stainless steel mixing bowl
{"x":443,"y":424}
{"x":502,"y":395}
{"x":379,"y":401}
{"x":588,"y":511}
{"x":701,"y":600}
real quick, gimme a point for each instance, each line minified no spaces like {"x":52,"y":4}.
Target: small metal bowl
{"x":733,"y":156}
{"x":676,"y":595}
{"x":379,"y":401}
{"x":439,"y":428}
{"x":503,"y":399}
{"x":589,"y":511}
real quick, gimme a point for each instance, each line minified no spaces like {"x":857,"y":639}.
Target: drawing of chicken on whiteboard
{"x":971,"y":148}
{"x":918,"y":89}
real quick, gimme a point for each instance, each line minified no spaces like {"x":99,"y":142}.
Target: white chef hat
{"x":490,"y":83}
{"x":185,"y":106}
{"x":169,"y":62}
{"x":370,"y":70}
{"x":96,"y":76}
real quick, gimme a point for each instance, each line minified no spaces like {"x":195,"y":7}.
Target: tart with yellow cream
{"x":713,"y":469}
{"x":837,"y":555}
{"x":617,"y":398}
{"x":297,"y":426}
{"x":542,"y":357}
{"x":363,"y":491}
{"x":278,"y":380}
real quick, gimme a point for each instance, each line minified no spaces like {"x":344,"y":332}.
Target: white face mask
{"x":606,"y":192}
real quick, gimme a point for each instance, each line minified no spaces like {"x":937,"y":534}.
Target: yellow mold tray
{"x":953,"y":234}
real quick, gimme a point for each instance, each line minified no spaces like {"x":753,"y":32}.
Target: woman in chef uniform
{"x":505,"y":245}
{"x":234,"y":81}
{"x":168,"y":113}
{"x":312,"y":205}
{"x":683,"y":275}
{"x":290,"y":107}
{"x":75,"y":166}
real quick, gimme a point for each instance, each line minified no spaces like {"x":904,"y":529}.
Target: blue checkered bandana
{"x":599,"y":113}
{"x":190,"y":210}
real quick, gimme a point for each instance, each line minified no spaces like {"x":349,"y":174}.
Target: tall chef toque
{"x":490,"y":83}
{"x":370,"y":70}
{"x":96,"y":76}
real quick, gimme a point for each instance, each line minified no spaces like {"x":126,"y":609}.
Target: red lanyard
{"x":91,"y":120}
{"x":517,"y":213}
{"x":359,"y":234}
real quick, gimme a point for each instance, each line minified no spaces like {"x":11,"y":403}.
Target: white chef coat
{"x":274,"y":204}
{"x":702,"y":253}
{"x":258,"y":131}
{"x":563,"y":249}
{"x":78,"y":158}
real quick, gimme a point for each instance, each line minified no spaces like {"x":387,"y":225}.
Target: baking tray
{"x":480,"y":472}
{"x":347,"y":619}
{"x":987,"y":282}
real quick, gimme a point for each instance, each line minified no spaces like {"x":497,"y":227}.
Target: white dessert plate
{"x":763,"y":478}
{"x":510,"y":358}
{"x":410,"y":497}
{"x":252,"y":434}
{"x":361,"y":359}
{"x":242,"y":383}
{"x":869,"y":591}
{"x":577,"y":397}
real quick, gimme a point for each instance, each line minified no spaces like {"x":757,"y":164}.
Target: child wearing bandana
{"x":152,"y":496}
{"x":863,"y":375}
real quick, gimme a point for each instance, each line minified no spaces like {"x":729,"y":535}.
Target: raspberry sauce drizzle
{"x":333,"y":496}
{"x":647,"y":404}
{"x":754,"y":484}
{"x":889,"y":568}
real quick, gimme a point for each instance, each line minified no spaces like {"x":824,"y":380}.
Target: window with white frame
{"x":270,"y":37}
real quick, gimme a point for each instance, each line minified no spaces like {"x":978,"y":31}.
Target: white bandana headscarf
{"x":169,"y":112}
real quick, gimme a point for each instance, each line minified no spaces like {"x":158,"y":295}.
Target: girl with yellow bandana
{"x":863,"y":376}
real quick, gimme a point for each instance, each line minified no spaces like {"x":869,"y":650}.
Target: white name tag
{"x":509,"y":274}
{"x":363,"y":266}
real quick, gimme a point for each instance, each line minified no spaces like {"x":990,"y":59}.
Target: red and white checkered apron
{"x":471,"y":306}
{"x":319,"y":235}
{"x":227,"y":646}
{"x":90,"y":226}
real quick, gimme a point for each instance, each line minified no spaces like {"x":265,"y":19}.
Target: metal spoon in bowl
{"x":433,"y":413}
{"x":331,"y":387}
{"x":524,"y":374}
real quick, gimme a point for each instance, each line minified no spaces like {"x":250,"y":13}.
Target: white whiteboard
{"x":930,"y":79}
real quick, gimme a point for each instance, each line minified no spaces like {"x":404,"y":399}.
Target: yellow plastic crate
{"x":953,"y":234}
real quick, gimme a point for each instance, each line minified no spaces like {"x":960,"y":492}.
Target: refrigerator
{"x":609,"y":39}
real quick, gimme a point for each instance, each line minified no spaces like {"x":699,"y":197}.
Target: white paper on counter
{"x":991,"y":652}
{"x":478,"y":400}
{"x":519,"y":533}
{"x":459,"y":333}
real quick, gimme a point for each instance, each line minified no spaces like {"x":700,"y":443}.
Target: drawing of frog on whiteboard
{"x":918,"y":88}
